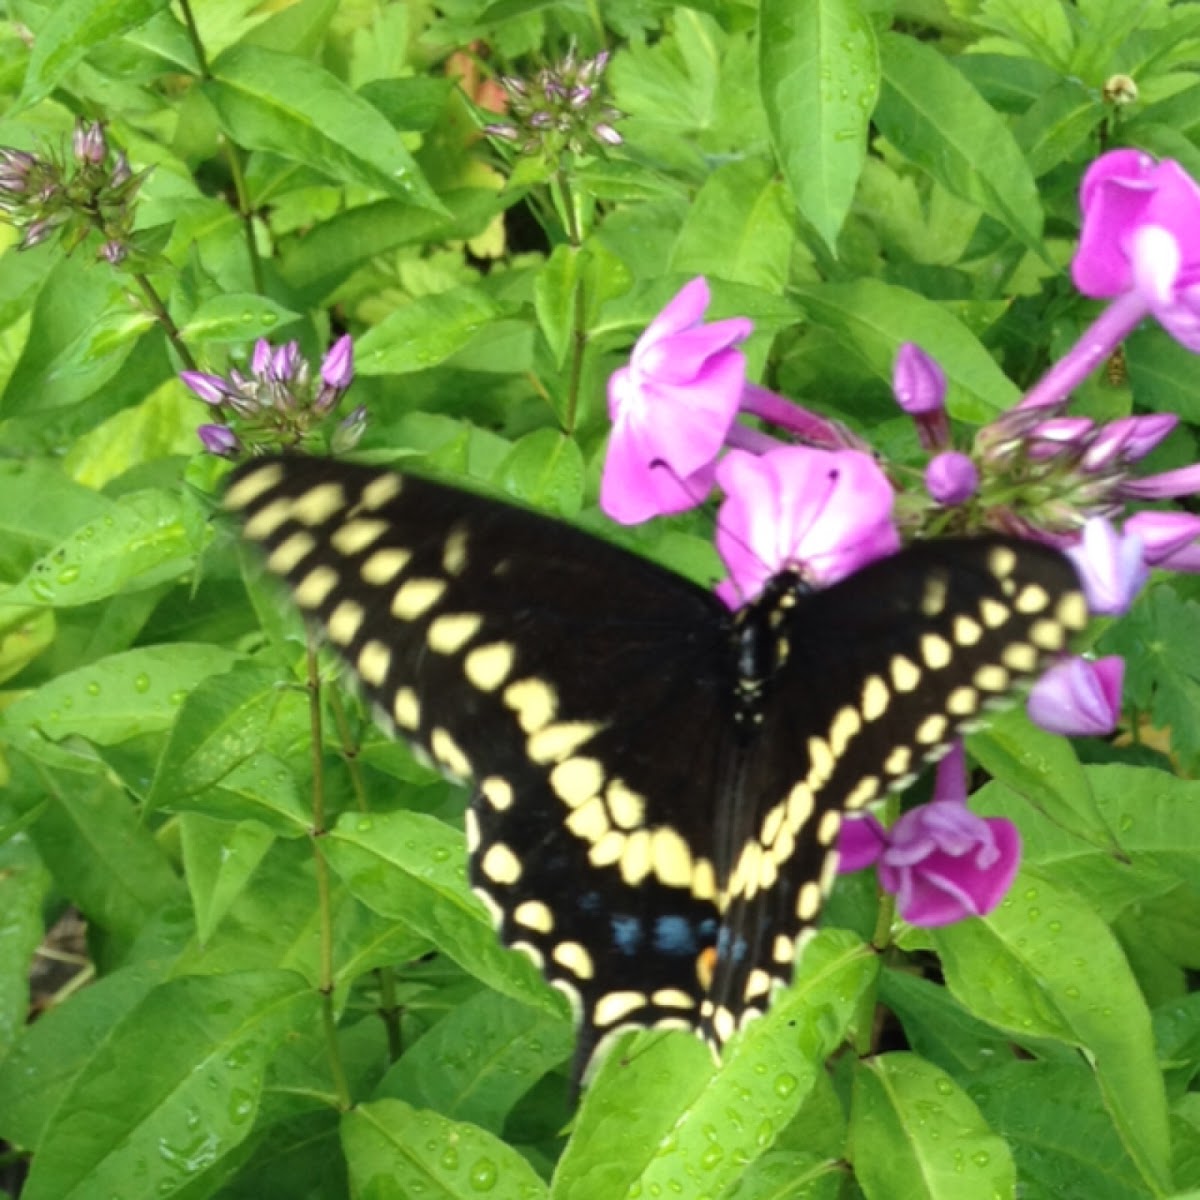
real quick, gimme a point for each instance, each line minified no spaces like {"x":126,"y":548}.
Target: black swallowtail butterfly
{"x":659,"y":781}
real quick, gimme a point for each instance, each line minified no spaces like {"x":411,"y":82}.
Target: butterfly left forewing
{"x":882,"y":672}
{"x":584,"y":690}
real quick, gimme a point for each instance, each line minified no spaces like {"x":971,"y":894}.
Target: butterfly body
{"x":659,"y":781}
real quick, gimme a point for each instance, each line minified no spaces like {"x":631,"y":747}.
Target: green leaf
{"x":1052,"y":1118}
{"x":173,"y":1088}
{"x":480,"y":1059}
{"x":81,"y":332}
{"x":239,"y":317}
{"x":740,"y":227}
{"x":144,"y":539}
{"x":24,"y":884}
{"x":39,"y":506}
{"x":929,"y":112}
{"x":1042,"y":30}
{"x":914,"y":1132}
{"x":395,"y":1150}
{"x":873,"y":318}
{"x":658,"y":1120}
{"x":554,"y":299}
{"x":1043,"y":964}
{"x":1162,"y":371}
{"x":71,"y":29}
{"x":424,"y":333}
{"x":411,"y":868}
{"x":294,"y":108}
{"x":1043,"y":767}
{"x":55,"y":1048}
{"x":938,"y":1027}
{"x":545,"y":470}
{"x":119,"y":697}
{"x":102,"y":857}
{"x":1160,"y":642}
{"x":819,"y":67}
{"x":218,"y":741}
{"x":220,"y":857}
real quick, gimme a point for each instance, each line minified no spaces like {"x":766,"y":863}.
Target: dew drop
{"x":484,"y":1175}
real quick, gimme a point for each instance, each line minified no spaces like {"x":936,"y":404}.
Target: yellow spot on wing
{"x":575,"y":958}
{"x":406,"y":710}
{"x":380,"y":490}
{"x":345,"y":621}
{"x":356,"y":536}
{"x":373,"y":663}
{"x":268,"y":519}
{"x":313,"y":590}
{"x":290,"y":552}
{"x":384,"y":565}
{"x":616,"y":1006}
{"x":487,"y":667}
{"x":319,"y":503}
{"x":533,"y":700}
{"x":500,"y":864}
{"x":450,"y":632}
{"x":252,"y":485}
{"x":416,"y":597}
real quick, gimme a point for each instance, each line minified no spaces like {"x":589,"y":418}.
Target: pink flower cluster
{"x":826,"y":507}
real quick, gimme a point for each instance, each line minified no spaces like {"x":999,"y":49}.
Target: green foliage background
{"x":269,"y":1014}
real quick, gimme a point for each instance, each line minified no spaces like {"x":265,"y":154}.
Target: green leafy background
{"x":255,"y":1015}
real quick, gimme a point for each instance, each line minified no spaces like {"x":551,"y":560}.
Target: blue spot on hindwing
{"x":675,"y":935}
{"x":628,"y":934}
{"x":734,"y":948}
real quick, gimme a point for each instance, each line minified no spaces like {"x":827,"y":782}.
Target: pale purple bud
{"x":918,"y":382}
{"x":349,"y":430}
{"x":1110,"y":565}
{"x":120,"y":172}
{"x":219,"y":439}
{"x":88,"y":143}
{"x":210,"y":388}
{"x":1163,"y":534}
{"x":508,"y":132}
{"x":260,"y":360}
{"x":1078,"y":697}
{"x":1050,"y":438}
{"x":607,"y":134}
{"x":114,"y":252}
{"x":337,"y":368}
{"x":283,"y":362}
{"x":951,"y":478}
{"x":35,"y":234}
{"x":1181,"y":482}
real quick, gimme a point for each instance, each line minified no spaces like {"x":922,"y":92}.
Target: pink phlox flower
{"x":1078,"y":697}
{"x":671,"y":409}
{"x":1111,"y":567}
{"x":941,"y":861}
{"x":1141,"y":233}
{"x":824,"y":513}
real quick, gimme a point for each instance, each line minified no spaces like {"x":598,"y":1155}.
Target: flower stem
{"x":1090,"y":352}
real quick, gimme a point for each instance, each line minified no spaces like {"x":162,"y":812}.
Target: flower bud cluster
{"x":90,"y":191}
{"x":279,"y":403}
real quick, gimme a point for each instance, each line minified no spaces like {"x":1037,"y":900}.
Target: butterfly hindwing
{"x":881,"y":672}
{"x":659,"y":783}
